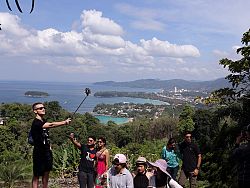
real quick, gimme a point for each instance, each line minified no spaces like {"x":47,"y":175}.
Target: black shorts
{"x":42,"y":162}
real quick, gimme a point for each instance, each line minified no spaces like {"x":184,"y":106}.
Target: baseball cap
{"x":120,"y":158}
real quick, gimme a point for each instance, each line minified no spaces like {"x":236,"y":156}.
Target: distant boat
{"x":36,"y":94}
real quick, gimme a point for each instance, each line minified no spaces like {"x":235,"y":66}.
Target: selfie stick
{"x":87,"y":92}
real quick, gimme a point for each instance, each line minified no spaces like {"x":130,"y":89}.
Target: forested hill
{"x":170,"y":84}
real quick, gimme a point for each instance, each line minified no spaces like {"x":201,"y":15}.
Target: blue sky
{"x":89,"y":41}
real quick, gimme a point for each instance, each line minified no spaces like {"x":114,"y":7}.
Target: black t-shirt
{"x":190,"y":152}
{"x":161,"y":179}
{"x":40,"y":135}
{"x":87,"y":159}
{"x":141,"y":181}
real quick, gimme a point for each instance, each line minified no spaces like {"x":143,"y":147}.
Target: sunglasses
{"x":40,"y":108}
{"x":116,"y":163}
{"x":90,"y":140}
{"x":100,"y":141}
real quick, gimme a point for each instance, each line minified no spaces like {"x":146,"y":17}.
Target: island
{"x":36,"y":94}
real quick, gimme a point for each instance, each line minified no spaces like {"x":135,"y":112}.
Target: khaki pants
{"x":186,"y":175}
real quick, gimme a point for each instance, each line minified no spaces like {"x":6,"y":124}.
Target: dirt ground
{"x":53,"y":183}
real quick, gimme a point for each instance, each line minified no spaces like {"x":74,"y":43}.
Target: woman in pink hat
{"x":162,"y":179}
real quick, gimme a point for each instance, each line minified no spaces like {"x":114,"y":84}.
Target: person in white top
{"x":118,"y":175}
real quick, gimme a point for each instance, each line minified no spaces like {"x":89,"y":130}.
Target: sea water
{"x":69,"y":95}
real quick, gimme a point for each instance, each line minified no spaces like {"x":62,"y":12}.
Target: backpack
{"x":30,"y":139}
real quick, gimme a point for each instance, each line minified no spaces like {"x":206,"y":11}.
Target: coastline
{"x":104,"y":118}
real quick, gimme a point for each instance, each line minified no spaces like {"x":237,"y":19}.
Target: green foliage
{"x":66,"y":160}
{"x":240,"y":74}
{"x":13,"y":167}
{"x":186,"y":122}
{"x":12,"y":171}
{"x":22,"y":112}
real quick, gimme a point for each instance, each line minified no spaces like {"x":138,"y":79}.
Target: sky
{"x":120,"y":40}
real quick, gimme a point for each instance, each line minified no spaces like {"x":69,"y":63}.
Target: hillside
{"x":170,"y":84}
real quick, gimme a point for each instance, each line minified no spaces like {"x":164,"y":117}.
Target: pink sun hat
{"x":162,"y":165}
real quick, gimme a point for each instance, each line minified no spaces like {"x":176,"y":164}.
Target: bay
{"x":69,"y":95}
{"x":117,"y":120}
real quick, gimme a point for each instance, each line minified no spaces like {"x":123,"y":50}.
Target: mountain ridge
{"x":170,"y":84}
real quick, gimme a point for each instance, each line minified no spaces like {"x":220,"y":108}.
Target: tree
{"x":186,"y":122}
{"x":228,"y":119}
{"x":240,"y":74}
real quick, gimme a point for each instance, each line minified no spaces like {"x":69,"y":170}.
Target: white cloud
{"x":108,"y":41}
{"x":12,"y":24}
{"x":98,"y":48}
{"x":93,"y":21}
{"x":164,"y":48}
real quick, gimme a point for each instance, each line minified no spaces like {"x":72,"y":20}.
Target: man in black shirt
{"x":86,"y":175}
{"x":191,"y":157}
{"x":42,"y":154}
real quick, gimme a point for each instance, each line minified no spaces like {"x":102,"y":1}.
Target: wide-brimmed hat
{"x":141,"y":160}
{"x":162,"y":165}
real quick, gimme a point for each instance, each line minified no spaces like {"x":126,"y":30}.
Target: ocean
{"x":69,"y":95}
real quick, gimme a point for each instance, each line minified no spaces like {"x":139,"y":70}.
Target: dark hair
{"x":102,"y":139}
{"x":187,"y":132}
{"x":93,"y":137}
{"x":171,"y":141}
{"x":34,"y":105}
{"x":141,"y":163}
{"x":116,"y":161}
{"x":124,"y":165}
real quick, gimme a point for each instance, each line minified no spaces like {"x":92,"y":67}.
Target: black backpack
{"x":30,"y":139}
